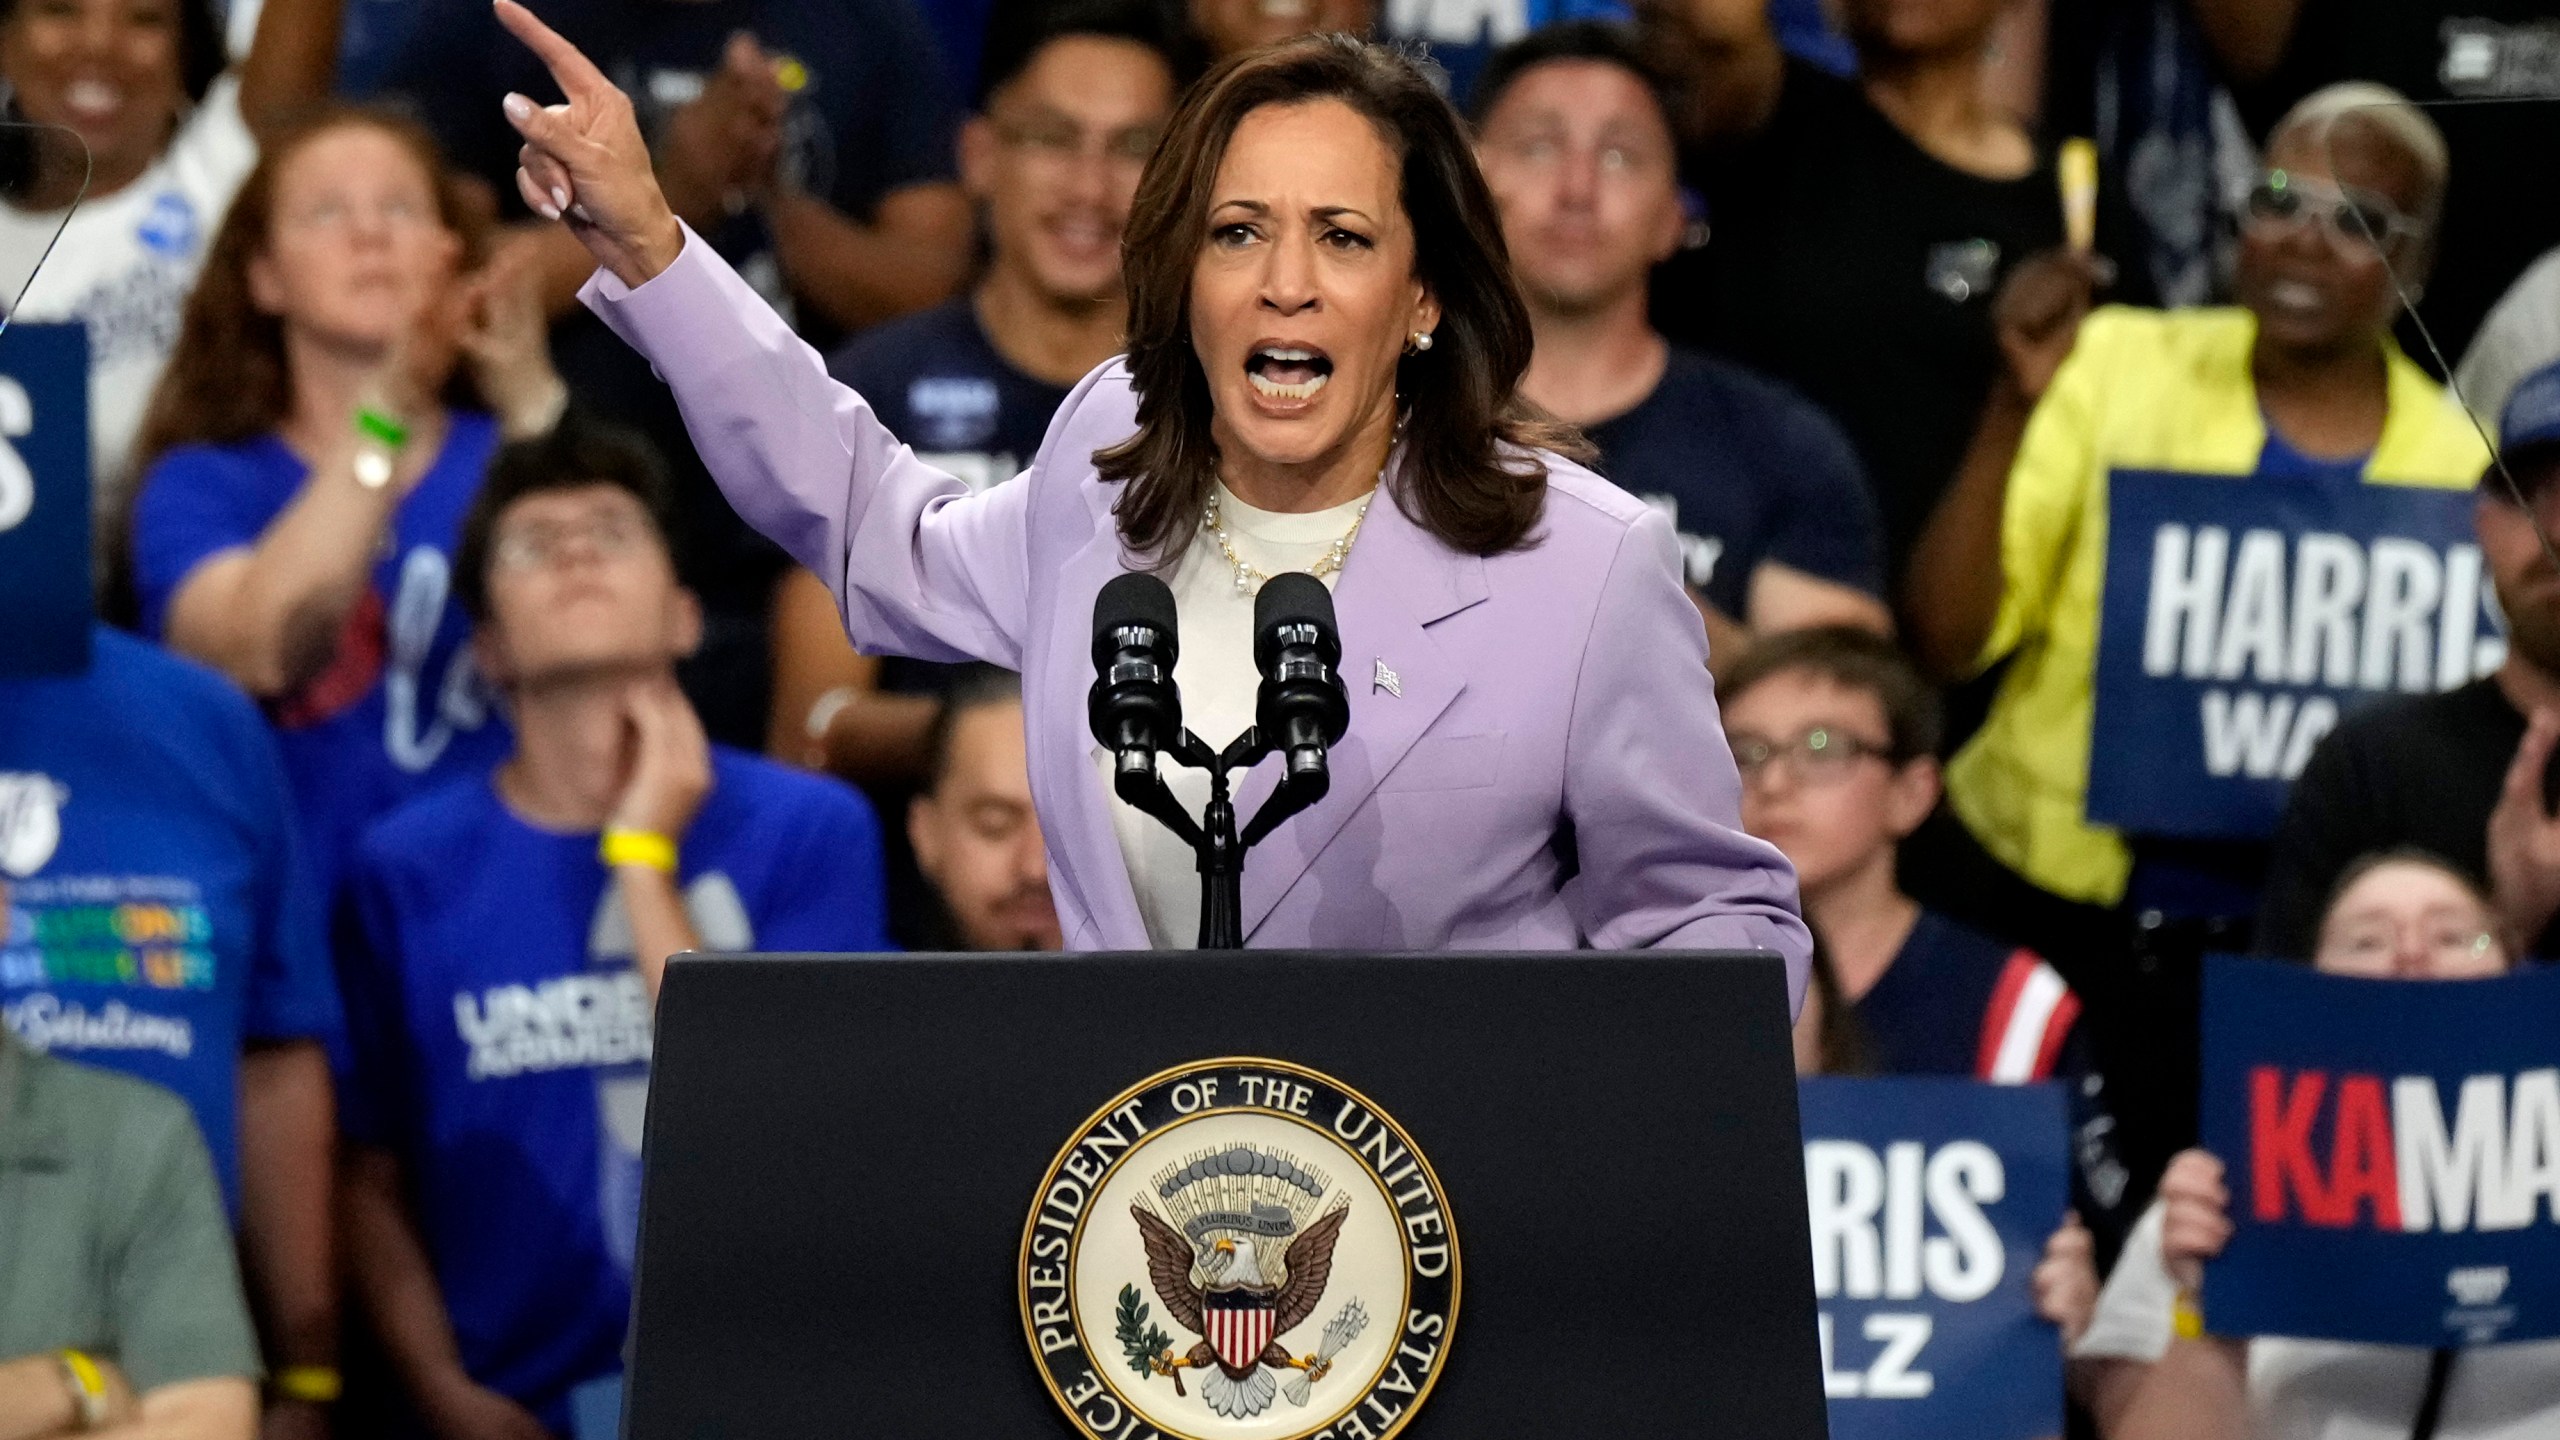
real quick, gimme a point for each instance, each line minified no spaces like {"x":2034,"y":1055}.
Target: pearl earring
{"x":1421,"y":341}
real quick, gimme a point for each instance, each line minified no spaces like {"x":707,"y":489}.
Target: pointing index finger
{"x":576,"y":75}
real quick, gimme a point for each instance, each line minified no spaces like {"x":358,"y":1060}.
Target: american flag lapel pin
{"x":1385,"y":679}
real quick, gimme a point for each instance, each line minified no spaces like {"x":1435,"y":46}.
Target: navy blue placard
{"x":1931,"y":1202}
{"x":2393,"y":1154}
{"x":44,"y":500}
{"x":2242,"y":616}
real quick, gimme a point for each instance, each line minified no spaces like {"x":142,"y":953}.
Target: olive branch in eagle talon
{"x":1145,"y":1344}
{"x":1231,"y":1273}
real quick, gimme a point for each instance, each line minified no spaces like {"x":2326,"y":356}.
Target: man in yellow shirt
{"x":2197,"y":535}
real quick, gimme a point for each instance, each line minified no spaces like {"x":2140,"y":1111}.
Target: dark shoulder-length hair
{"x":1469,"y":477}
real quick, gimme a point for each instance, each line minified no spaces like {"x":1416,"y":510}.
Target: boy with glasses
{"x":1836,"y":736}
{"x":502,"y":941}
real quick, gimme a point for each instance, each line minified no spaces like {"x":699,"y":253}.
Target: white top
{"x":2521,"y":335}
{"x":126,"y":264}
{"x":2326,"y":1389}
{"x":1219,"y":684}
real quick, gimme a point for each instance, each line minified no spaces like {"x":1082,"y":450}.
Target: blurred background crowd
{"x":412,"y":584}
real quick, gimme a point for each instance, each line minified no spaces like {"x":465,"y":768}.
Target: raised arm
{"x":1727,"y":57}
{"x":292,"y":61}
{"x":917,"y":564}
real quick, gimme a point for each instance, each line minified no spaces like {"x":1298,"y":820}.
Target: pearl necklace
{"x":1250,"y":580}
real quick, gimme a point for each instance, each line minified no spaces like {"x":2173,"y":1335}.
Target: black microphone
{"x":1133,"y":706}
{"x":1301,"y":708}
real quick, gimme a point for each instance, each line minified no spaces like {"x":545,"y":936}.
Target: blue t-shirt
{"x":158,"y":911}
{"x":401,"y":708}
{"x":500,"y":1037}
{"x":1747,"y":471}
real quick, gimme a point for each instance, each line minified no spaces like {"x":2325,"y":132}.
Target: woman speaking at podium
{"x":1324,"y":349}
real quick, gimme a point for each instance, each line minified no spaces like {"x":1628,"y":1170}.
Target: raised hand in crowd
{"x":2038,"y":311}
{"x":584,"y":162}
{"x":2065,"y":1281}
{"x":1952,"y":593}
{"x":504,"y":337}
{"x":2524,"y":841}
{"x":721,"y":148}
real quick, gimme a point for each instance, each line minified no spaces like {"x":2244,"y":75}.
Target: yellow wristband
{"x":312,"y":1384}
{"x":638,"y":847}
{"x":2186,"y":1317}
{"x":88,"y":1387}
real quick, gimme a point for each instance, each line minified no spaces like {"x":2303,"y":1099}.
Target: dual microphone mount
{"x":1299,"y":712}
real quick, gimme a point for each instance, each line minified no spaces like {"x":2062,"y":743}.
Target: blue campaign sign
{"x":44,"y":500}
{"x":1931,"y":1203}
{"x":2243,"y":616}
{"x":2393,"y":1155}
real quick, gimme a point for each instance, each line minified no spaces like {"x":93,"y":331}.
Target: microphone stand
{"x":1213,"y":838}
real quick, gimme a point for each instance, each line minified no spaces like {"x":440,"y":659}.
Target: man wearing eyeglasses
{"x":2176,"y":472}
{"x":1071,"y":99}
{"x":501,"y":942}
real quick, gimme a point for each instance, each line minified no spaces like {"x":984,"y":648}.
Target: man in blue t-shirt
{"x":157,"y":918}
{"x":1775,"y":523}
{"x":501,"y":943}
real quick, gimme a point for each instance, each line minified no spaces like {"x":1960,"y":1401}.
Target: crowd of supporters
{"x":437,"y":696}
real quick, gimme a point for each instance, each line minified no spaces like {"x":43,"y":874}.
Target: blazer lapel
{"x":1084,"y":848}
{"x":1398,"y":580}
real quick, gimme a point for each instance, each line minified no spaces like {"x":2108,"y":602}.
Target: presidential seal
{"x":1240,"y":1250}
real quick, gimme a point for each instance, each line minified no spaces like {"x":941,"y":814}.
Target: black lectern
{"x":871,"y":1180}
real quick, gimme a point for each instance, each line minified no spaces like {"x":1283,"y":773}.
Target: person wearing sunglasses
{"x":2299,"y":385}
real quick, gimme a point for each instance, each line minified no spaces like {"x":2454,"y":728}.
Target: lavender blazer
{"x":1560,"y":689}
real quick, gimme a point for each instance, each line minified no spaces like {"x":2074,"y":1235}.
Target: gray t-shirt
{"x":112,"y":1237}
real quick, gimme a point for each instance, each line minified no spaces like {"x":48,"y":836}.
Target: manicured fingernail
{"x":549,"y":212}
{"x":518,"y":108}
{"x":580,"y":210}
{"x":559,"y":197}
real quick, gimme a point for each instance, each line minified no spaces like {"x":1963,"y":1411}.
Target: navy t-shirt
{"x":1958,"y":1002}
{"x":401,"y":707}
{"x":501,"y":1038}
{"x":158,"y":911}
{"x":871,"y":111}
{"x":1748,"y":472}
{"x":939,"y":384}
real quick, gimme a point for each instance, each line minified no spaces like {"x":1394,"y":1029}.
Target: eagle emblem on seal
{"x":1239,"y":1246}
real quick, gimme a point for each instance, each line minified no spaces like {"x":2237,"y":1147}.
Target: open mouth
{"x":92,"y":100}
{"x":1288,"y":372}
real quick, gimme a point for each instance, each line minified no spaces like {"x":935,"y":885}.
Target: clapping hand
{"x":504,"y":337}
{"x":720,"y":148}
{"x":584,"y":162}
{"x":2524,"y":841}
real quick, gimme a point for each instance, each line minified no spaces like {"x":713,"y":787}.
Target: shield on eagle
{"x":1238,"y":1325}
